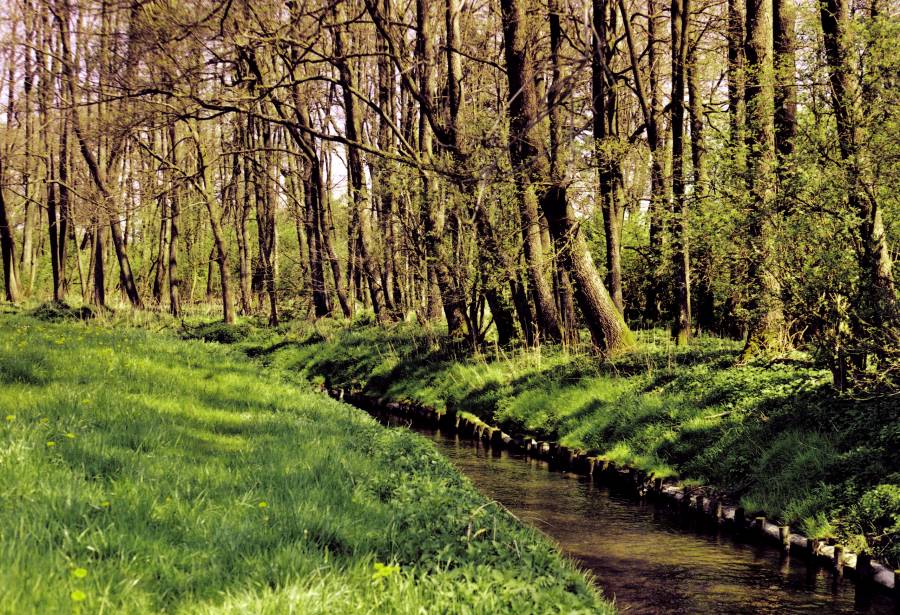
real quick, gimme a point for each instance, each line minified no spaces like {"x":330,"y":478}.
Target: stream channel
{"x":646,"y":557}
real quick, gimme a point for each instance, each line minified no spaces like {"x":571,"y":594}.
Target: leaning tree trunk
{"x":605,"y":322}
{"x":125,"y":273}
{"x":527,"y":157}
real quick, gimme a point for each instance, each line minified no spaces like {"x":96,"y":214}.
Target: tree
{"x":766,"y":332}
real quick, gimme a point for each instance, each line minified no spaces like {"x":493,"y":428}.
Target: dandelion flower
{"x":51,"y":444}
{"x":78,"y":596}
{"x":79,"y":573}
{"x":263,"y":504}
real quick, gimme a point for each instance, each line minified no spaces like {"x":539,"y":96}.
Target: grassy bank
{"x":142,"y":473}
{"x":775,"y":436}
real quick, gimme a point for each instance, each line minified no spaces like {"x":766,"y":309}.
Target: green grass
{"x":143,"y":473}
{"x":773,"y":435}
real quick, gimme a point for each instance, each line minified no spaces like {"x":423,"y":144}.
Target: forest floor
{"x":144,"y":473}
{"x":774,"y":435}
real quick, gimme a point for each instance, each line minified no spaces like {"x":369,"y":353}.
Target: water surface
{"x":645,"y":557}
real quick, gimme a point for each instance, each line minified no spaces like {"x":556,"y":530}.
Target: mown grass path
{"x":142,"y":473}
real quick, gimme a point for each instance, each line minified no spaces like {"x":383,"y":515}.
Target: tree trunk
{"x":603,"y":110}
{"x":125,"y":273}
{"x":265,"y":219}
{"x":358,"y":197}
{"x":785,"y":43}
{"x":681,"y":327}
{"x":562,"y":285}
{"x":656,"y":144}
{"x":98,"y":239}
{"x":605,"y":322}
{"x":878,"y":294}
{"x":7,"y":246}
{"x":766,"y":333}
{"x":433,"y":205}
{"x":526,"y":155}
{"x":736,"y":77}
{"x":174,"y":221}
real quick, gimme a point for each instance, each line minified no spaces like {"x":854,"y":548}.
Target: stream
{"x":645,"y":557}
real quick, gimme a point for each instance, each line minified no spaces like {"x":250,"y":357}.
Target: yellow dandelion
{"x":70,"y":436}
{"x":79,"y":573}
{"x":10,"y":417}
{"x":263,"y":504}
{"x":51,"y":444}
{"x":78,"y":596}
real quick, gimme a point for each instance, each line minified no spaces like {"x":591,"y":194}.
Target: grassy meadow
{"x":142,"y":473}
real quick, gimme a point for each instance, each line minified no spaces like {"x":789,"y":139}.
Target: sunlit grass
{"x":142,"y":473}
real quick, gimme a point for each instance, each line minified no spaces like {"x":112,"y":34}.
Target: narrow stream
{"x":645,"y":557}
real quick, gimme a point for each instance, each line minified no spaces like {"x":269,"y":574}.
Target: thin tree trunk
{"x":174,"y":221}
{"x":681,"y":328}
{"x":656,"y":144}
{"x":358,"y":195}
{"x":603,"y":111}
{"x":7,"y":246}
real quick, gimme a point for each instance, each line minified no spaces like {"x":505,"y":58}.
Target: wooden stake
{"x":784,"y":533}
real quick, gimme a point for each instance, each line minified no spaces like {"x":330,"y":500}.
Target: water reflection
{"x":648,"y":559}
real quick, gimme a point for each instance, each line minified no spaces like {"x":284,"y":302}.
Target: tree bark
{"x":785,"y":43}
{"x":7,"y":246}
{"x":358,"y":197}
{"x":433,"y":207}
{"x":681,"y":327}
{"x":766,"y":333}
{"x":608,"y":329}
{"x":656,"y":144}
{"x":527,"y":157}
{"x":174,"y":221}
{"x":877,"y":290}
{"x":603,"y":110}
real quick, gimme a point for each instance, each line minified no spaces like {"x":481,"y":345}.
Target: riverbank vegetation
{"x":141,"y":473}
{"x":773,"y":434}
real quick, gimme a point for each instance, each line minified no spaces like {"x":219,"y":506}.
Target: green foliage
{"x":874,"y":522}
{"x":54,"y":311}
{"x":219,"y":332}
{"x":142,"y":473}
